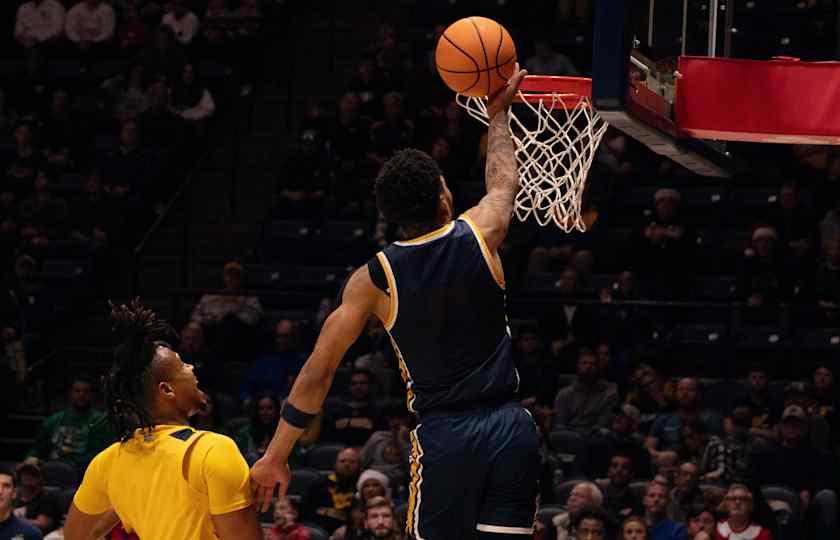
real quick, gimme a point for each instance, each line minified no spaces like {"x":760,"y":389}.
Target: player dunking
{"x":440,"y":295}
{"x":163,"y":480}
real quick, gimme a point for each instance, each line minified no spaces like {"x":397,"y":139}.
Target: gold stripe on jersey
{"x":394,"y":304}
{"x":412,"y":524}
{"x":429,"y":236}
{"x":491,"y":258}
{"x":406,"y":376}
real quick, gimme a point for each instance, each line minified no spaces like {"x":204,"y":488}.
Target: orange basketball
{"x":475,"y":56}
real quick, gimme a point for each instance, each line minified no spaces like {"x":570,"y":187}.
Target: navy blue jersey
{"x":447,"y":320}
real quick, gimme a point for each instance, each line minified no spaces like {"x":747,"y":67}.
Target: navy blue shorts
{"x":473,"y":471}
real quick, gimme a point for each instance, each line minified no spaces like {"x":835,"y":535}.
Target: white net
{"x":554,"y":154}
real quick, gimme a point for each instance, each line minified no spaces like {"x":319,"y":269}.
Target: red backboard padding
{"x":779,"y":100}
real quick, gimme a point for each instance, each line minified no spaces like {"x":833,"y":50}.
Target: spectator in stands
{"x":592,"y":524}
{"x":619,"y":499}
{"x":793,"y":221}
{"x":726,"y":458}
{"x":652,"y":393}
{"x":623,"y":437}
{"x":301,"y":191}
{"x":127,"y":170}
{"x":75,"y":434}
{"x":90,"y":25}
{"x":807,"y":471}
{"x":660,"y":526}
{"x":269,"y":372}
{"x":39,"y":22}
{"x":44,"y":214}
{"x":537,"y":377}
{"x":350,"y":143}
{"x":825,"y":402}
{"x":693,"y":441}
{"x":547,"y":61}
{"x":372,"y":483}
{"x":763,"y":278}
{"x":25,"y":163}
{"x":8,"y":116}
{"x":394,"y":132}
{"x":254,"y":437}
{"x":585,"y":496}
{"x":32,"y":504}
{"x":164,"y":57}
{"x":183,"y":22}
{"x":587,"y":403}
{"x":216,"y":29}
{"x":228,"y":319}
{"x":60,"y":133}
{"x":827,"y":282}
{"x":193,"y":351}
{"x":664,"y":247}
{"x":367,"y":84}
{"x":128,"y":93}
{"x":354,"y":528}
{"x":248,"y":49}
{"x":686,"y":492}
{"x":666,"y":432}
{"x":739,"y":523}
{"x":380,"y":522}
{"x":665,"y":467}
{"x":286,"y":526}
{"x":330,"y":501}
{"x":634,"y":528}
{"x":133,"y":33}
{"x":387,"y":450}
{"x":191,"y":99}
{"x":353,"y":421}
{"x":162,"y":128}
{"x":701,"y":523}
{"x":568,"y":325}
{"x":92,"y":218}
{"x":765,"y":409}
{"x":11,"y":526}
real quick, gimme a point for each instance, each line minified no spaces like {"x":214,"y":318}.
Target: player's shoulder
{"x":105,"y":459}
{"x":218,"y":444}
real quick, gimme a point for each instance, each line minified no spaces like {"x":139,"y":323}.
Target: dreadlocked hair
{"x":138,"y":332}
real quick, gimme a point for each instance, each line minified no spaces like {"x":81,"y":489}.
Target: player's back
{"x":159,"y":484}
{"x":447,"y":320}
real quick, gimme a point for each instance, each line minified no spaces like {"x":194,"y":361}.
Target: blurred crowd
{"x":647,"y":429}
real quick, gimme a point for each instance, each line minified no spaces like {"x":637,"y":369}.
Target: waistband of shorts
{"x":462,"y":407}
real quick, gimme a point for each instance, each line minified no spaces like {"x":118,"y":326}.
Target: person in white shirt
{"x":39,"y":21}
{"x":182,"y":21}
{"x":90,"y":22}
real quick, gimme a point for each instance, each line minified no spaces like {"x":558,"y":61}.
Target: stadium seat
{"x":715,"y":289}
{"x":546,"y":513}
{"x":538,"y":283}
{"x":822,"y":339}
{"x":699,"y":334}
{"x":762,"y":337}
{"x":316,"y":532}
{"x":301,"y":482}
{"x":639,"y":488}
{"x":59,"y":474}
{"x":569,"y":447}
{"x":322,"y":456}
{"x":783,"y":499}
{"x":64,"y":498}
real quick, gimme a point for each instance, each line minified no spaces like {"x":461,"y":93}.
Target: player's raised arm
{"x":339,"y":332}
{"x":493,"y":213}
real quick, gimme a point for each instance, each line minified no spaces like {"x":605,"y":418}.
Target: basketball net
{"x":554,"y":155}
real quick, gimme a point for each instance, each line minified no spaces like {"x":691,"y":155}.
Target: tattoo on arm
{"x":501,"y":178}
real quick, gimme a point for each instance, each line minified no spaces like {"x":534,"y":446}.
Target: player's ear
{"x":166,"y":389}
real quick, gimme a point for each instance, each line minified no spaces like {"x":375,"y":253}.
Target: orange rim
{"x":564,"y":91}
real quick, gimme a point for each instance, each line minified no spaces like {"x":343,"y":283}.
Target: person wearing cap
{"x":372,"y":483}
{"x":664,"y":246}
{"x":763,"y":277}
{"x":33,"y":504}
{"x":622,"y":437}
{"x":793,"y":462}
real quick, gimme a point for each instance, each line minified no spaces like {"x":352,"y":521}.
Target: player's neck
{"x":5,"y":513}
{"x":416,"y":232}
{"x":170,"y":418}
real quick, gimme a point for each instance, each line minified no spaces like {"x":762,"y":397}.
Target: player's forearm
{"x":307,"y":395}
{"x":500,"y":174}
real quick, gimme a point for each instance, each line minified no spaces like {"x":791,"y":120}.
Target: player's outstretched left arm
{"x":339,"y":332}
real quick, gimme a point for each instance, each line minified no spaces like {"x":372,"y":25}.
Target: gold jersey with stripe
{"x":165,"y":484}
{"x":447,"y":319}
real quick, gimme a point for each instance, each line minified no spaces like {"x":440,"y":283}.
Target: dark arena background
{"x":217,"y":159}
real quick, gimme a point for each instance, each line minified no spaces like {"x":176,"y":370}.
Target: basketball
{"x":475,"y":56}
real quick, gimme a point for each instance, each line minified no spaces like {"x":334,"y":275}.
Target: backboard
{"x":641,"y":46}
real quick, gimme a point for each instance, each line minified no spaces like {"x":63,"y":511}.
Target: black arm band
{"x":296,"y":417}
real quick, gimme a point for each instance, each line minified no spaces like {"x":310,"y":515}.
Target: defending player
{"x":163,"y":480}
{"x":440,"y":295}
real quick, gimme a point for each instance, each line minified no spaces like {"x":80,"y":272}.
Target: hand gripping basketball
{"x":503,"y":98}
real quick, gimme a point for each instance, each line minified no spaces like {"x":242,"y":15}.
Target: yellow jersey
{"x":166,"y":484}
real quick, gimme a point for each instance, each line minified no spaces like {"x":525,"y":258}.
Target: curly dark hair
{"x":139,"y":332}
{"x":408,"y":189}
